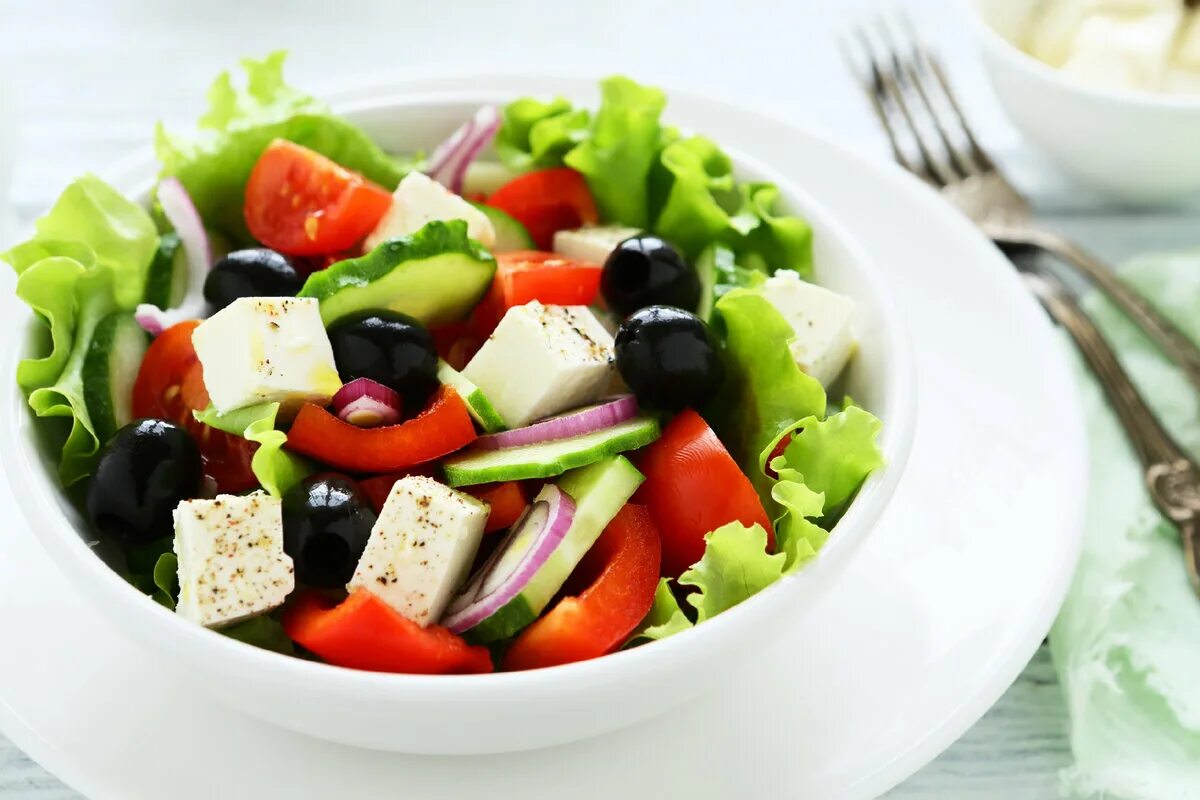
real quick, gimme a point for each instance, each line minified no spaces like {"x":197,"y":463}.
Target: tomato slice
{"x":523,"y":276}
{"x":170,"y":386}
{"x":506,"y":500}
{"x":694,"y":486}
{"x":443,"y":427}
{"x":622,"y":567}
{"x":547,"y":201}
{"x":363,"y":632}
{"x":301,"y":203}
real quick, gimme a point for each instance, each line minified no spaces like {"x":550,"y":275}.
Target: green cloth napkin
{"x":1127,"y":641}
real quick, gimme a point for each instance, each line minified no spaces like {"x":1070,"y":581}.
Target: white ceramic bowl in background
{"x":501,"y":712}
{"x":1134,"y":146}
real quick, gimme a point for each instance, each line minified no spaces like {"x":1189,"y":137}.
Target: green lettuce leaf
{"x":797,"y":537}
{"x":832,"y":456}
{"x":215,"y":164}
{"x":720,"y":274}
{"x":665,"y":619}
{"x":48,"y":287}
{"x":764,"y":392}
{"x":265,"y":632}
{"x":735,"y":566}
{"x":166,"y":580}
{"x":276,"y":469}
{"x":534,"y":135}
{"x":623,"y":145}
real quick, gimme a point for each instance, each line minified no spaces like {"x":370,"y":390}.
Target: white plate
{"x":944,"y":605}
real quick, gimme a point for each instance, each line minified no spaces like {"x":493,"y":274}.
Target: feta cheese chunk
{"x":593,"y":243}
{"x":421,"y":548}
{"x":267,"y":349}
{"x":420,"y":199}
{"x":542,"y":360}
{"x":822,"y":322}
{"x":231,"y":560}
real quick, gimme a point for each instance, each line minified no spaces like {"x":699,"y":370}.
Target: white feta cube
{"x":1118,"y":51}
{"x":822,"y":324}
{"x":591,"y":244}
{"x":421,"y":548}
{"x":542,"y":360}
{"x":231,"y":560}
{"x":267,"y":349}
{"x":419,"y":200}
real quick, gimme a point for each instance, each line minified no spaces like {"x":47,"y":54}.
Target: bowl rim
{"x":38,"y":498}
{"x":1004,"y":49}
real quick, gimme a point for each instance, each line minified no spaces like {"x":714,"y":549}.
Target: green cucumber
{"x":547,"y":459}
{"x":167,"y":278}
{"x":510,"y":234}
{"x":479,"y":407}
{"x":437,"y":275}
{"x":599,"y":490}
{"x":109,"y":370}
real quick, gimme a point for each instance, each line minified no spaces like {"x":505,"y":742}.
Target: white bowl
{"x":1135,"y":146}
{"x":500,"y":712}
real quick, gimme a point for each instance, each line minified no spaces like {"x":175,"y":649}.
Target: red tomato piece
{"x":443,"y":427}
{"x":694,"y":486}
{"x":625,"y":563}
{"x":378,"y":487}
{"x":301,"y":203}
{"x":363,"y":632}
{"x":547,"y":201}
{"x":523,"y":276}
{"x":170,"y":386}
{"x":506,"y":500}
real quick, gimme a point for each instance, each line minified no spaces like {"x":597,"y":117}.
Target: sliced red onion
{"x":367,"y":403}
{"x":530,"y":542}
{"x":448,"y":165}
{"x":574,"y":423}
{"x":181,"y":212}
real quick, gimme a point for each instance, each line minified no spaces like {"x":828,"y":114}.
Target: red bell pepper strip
{"x":506,"y":500}
{"x":547,"y":201}
{"x":624,"y":561}
{"x":363,"y":632}
{"x":443,"y":427}
{"x":694,"y":486}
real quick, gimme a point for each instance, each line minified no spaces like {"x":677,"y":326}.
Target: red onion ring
{"x":367,"y":403}
{"x":181,"y":212}
{"x":574,"y":423}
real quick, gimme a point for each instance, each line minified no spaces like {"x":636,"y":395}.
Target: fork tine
{"x":906,"y":64}
{"x":925,"y":57}
{"x":872,"y":83}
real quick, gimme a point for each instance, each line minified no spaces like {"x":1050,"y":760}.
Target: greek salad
{"x":556,"y":388}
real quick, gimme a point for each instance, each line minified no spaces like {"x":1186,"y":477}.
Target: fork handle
{"x":1174,"y":344}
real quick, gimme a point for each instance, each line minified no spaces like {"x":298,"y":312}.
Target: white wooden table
{"x":89,"y":80}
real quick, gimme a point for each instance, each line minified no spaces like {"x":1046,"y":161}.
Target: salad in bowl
{"x":558,"y":387}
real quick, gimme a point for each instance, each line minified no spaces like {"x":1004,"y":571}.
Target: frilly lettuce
{"x":534,"y":134}
{"x":276,"y":469}
{"x":735,"y":566}
{"x":88,"y":257}
{"x":215,"y":164}
{"x":665,"y":619}
{"x":832,"y":456}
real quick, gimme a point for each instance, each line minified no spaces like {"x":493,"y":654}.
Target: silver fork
{"x":930,"y":137}
{"x":1172,"y":478}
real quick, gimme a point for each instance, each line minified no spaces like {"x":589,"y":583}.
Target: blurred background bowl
{"x":1137,"y":147}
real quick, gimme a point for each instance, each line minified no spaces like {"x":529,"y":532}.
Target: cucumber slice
{"x":167,"y":278}
{"x":109,"y":370}
{"x":479,"y":407}
{"x":510,"y":234}
{"x":437,"y":275}
{"x":599,"y":490}
{"x":548,"y":459}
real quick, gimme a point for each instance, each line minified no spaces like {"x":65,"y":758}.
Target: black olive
{"x":145,"y":470}
{"x":668,"y":358}
{"x":389,"y":348}
{"x":257,"y":272}
{"x":326,"y":523}
{"x":646,"y":271}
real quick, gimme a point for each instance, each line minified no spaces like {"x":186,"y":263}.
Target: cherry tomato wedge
{"x":622,"y":567}
{"x":170,"y":386}
{"x":547,"y":201}
{"x":363,"y":632}
{"x":443,"y":427}
{"x":694,"y":486}
{"x":303,"y":204}
{"x":523,"y":276}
